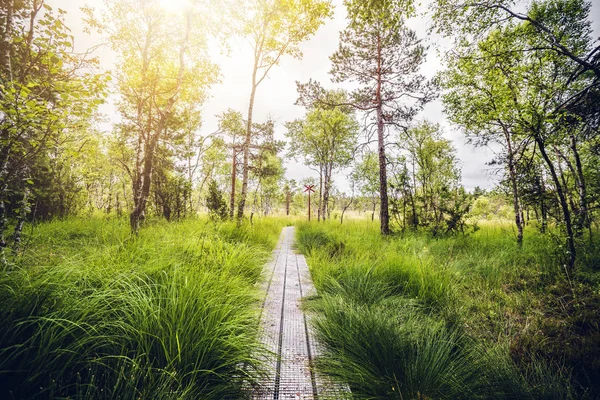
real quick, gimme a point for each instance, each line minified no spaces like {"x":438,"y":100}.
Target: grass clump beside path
{"x":90,"y":312}
{"x":416,"y":317}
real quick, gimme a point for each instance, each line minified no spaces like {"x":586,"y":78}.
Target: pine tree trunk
{"x":383,"y":195}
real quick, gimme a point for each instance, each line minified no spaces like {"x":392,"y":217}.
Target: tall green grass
{"x":91,"y":312}
{"x":416,"y":317}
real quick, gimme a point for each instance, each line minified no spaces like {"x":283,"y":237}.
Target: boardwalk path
{"x":286,"y":331}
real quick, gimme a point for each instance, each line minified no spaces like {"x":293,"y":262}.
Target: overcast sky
{"x":276,"y":95}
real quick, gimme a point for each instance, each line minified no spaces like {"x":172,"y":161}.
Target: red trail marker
{"x":310,"y":189}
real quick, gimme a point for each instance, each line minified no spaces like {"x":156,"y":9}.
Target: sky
{"x":276,"y":95}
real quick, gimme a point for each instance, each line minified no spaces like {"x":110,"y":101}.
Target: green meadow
{"x":466,"y":316}
{"x":91,"y":312}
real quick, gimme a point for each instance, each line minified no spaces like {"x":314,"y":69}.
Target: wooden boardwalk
{"x":286,"y":331}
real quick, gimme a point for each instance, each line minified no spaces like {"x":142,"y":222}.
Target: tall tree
{"x":528,"y":89}
{"x":47,"y":93}
{"x":156,"y":79}
{"x":435,"y":172}
{"x":383,"y":56}
{"x":275,"y":28}
{"x":475,"y":100}
{"x":326,"y":138}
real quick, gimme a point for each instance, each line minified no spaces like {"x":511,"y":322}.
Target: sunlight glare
{"x":175,"y":5}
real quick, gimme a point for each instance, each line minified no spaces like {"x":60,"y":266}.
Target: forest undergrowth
{"x":411,"y":316}
{"x":91,"y":312}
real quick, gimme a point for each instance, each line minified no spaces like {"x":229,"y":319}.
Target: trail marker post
{"x":309,"y":189}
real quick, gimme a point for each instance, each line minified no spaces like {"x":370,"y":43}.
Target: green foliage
{"x":216,"y":204}
{"x":48,"y":98}
{"x":90,"y":313}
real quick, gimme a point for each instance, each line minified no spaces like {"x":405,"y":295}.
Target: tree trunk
{"x":563,"y":203}
{"x":23,"y":211}
{"x":413,"y":201}
{"x":151,"y":142}
{"x":233,"y":179}
{"x":383,"y":195}
{"x":3,"y":222}
{"x":326,"y":189}
{"x":345,"y":208}
{"x":543,"y":208}
{"x":242,"y":203}
{"x":512,"y":173}
{"x":141,"y":197}
{"x":583,"y":214}
{"x":5,"y":62}
{"x":373,"y":212}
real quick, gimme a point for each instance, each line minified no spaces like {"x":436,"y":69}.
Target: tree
{"x":382,"y":55}
{"x":157,"y":80}
{"x":475,"y":89}
{"x":366,"y":176}
{"x":47,"y":92}
{"x":275,"y":28}
{"x":326,"y":138}
{"x":216,"y":204}
{"x":524,"y":90}
{"x":435,"y":175}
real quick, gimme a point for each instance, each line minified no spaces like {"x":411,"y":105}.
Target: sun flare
{"x":175,"y":5}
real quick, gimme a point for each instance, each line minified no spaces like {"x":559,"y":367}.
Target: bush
{"x":217,"y":207}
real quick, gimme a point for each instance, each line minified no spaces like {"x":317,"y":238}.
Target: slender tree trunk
{"x":24,"y":210}
{"x":326,"y":189}
{"x":320,"y":193}
{"x":413,"y":201}
{"x":5,"y":62}
{"x":563,"y":179}
{"x":583,"y":214}
{"x":373,"y":212}
{"x":512,"y":173}
{"x":151,"y":142}
{"x":345,"y":208}
{"x":244,"y":193}
{"x":543,"y":209}
{"x":3,"y":222}
{"x":383,"y":195}
{"x":233,"y":179}
{"x":563,"y":203}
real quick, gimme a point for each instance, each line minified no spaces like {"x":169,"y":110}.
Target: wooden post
{"x":309,"y":206}
{"x":309,"y":189}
